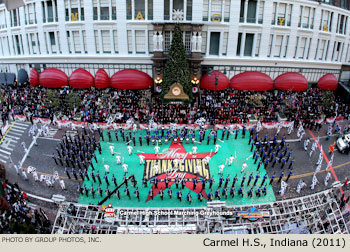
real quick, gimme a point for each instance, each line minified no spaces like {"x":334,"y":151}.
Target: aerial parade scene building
{"x":175,"y":117}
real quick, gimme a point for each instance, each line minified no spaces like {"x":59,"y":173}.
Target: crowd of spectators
{"x":15,"y":215}
{"x":228,"y":106}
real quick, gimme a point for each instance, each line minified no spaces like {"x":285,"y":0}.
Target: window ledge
{"x":105,"y":21}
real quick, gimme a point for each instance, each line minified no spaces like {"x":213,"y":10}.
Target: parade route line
{"x":311,"y":173}
{"x":325,"y":157}
{"x":48,"y":174}
{"x":7,"y":131}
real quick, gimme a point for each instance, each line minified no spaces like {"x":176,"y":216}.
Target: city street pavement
{"x":40,"y":157}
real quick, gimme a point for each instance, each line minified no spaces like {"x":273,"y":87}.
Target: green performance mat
{"x":239,"y":148}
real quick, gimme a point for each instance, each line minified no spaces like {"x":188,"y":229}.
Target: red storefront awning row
{"x":135,"y":79}
{"x":80,"y":78}
{"x":257,"y":81}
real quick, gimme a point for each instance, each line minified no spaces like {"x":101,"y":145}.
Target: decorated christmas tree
{"x":177,"y":68}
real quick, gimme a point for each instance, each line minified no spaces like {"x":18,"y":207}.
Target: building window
{"x":257,"y":44}
{"x":30,"y":14}
{"x":204,"y":42}
{"x":17,"y":44}
{"x":251,"y":11}
{"x":217,"y":10}
{"x":97,"y":41}
{"x":337,"y":51}
{"x":77,"y":42}
{"x":187,"y":42}
{"x":326,"y":21}
{"x":74,"y":10}
{"x":115,"y":41}
{"x":14,"y":17}
{"x":1,"y":47}
{"x":69,"y":40}
{"x":285,"y":42}
{"x":300,"y":47}
{"x":106,"y":41}
{"x":104,"y":9}
{"x":282,"y":14}
{"x":341,"y":24}
{"x":278,"y":46}
{"x":150,"y":42}
{"x":167,"y":41}
{"x":248,"y":45}
{"x":261,"y":12}
{"x":239,"y":42}
{"x":214,"y":43}
{"x":49,"y":9}
{"x":52,"y":43}
{"x":322,"y":50}
{"x":129,"y":42}
{"x":270,"y":45}
{"x":224,"y":44}
{"x":140,"y":42}
{"x":3,"y":21}
{"x":306,"y":17}
{"x":183,"y":5}
{"x":139,"y":9}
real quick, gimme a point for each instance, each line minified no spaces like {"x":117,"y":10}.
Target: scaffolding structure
{"x":319,"y":213}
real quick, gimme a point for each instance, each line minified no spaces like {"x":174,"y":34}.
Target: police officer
{"x":98,"y":177}
{"x":289,"y":174}
{"x":114,"y":180}
{"x":256,"y":179}
{"x":137,"y":194}
{"x":220,"y":181}
{"x":179,"y":195}
{"x":161,"y":194}
{"x":117,"y":193}
{"x":281,"y":176}
{"x":140,"y":139}
{"x":74,"y":174}
{"x":250,"y":193}
{"x":243,"y":179}
{"x":93,"y":176}
{"x":232,"y":192}
{"x":127,"y":192}
{"x":224,"y":193}
{"x":66,"y":170}
{"x":257,"y":168}
{"x":250,"y":178}
{"x":227,"y":180}
{"x":92,"y":191}
{"x":263,"y":180}
{"x":170,"y":193}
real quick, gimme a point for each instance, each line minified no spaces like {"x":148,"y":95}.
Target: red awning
{"x":208,"y":82}
{"x":251,"y":81}
{"x":34,"y":77}
{"x":328,"y":82}
{"x":131,"y":79}
{"x":81,"y":78}
{"x":53,"y":78}
{"x":101,"y":79}
{"x":291,"y":81}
